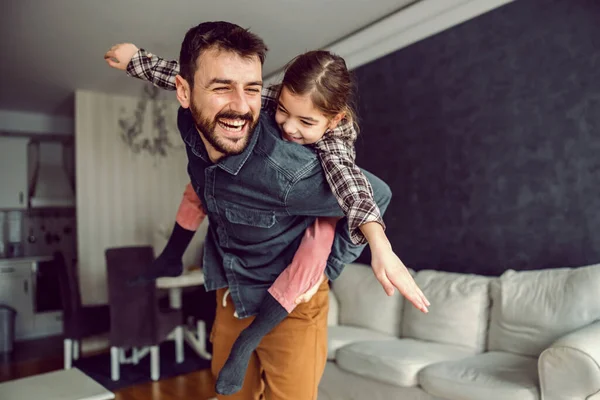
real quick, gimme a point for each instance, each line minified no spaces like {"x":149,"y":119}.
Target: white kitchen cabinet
{"x":16,"y":292}
{"x":14,"y":182}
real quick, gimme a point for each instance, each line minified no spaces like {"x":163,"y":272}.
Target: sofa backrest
{"x":532,"y":309}
{"x":363,"y":303}
{"x":459,"y":311}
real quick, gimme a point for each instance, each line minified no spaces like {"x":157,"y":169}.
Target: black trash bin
{"x":7,"y":328}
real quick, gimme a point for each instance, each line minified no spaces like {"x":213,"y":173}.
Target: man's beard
{"x":208,"y":128}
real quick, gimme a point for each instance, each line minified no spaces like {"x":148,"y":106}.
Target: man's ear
{"x":336,"y":120}
{"x":184,"y":92}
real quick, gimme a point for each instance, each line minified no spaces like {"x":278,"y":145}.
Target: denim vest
{"x":259,"y":203}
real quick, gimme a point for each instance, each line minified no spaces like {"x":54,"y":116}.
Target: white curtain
{"x":123,"y":198}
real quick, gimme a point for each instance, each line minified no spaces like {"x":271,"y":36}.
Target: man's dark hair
{"x":217,"y":35}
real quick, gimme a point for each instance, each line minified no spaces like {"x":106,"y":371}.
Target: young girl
{"x":311,"y":108}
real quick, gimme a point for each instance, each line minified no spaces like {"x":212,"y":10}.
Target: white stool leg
{"x":122,"y":358}
{"x":114,"y":363}
{"x":154,"y":363}
{"x":134,"y":356}
{"x":175,"y":298}
{"x":179,"y":344}
{"x":201,"y":329}
{"x":68,"y":353}
{"x":76,"y":350}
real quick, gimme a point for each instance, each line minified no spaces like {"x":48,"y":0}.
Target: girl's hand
{"x":305,"y":297}
{"x":120,"y":55}
{"x":391,"y":272}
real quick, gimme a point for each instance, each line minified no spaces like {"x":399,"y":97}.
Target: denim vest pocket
{"x":250,"y":226}
{"x":259,"y":219}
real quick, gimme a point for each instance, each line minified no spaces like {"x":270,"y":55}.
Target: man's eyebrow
{"x":222,"y":81}
{"x":306,"y":118}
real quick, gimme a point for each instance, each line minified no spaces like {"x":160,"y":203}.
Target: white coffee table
{"x":66,"y":384}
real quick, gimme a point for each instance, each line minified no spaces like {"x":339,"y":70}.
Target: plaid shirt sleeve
{"x":149,"y":67}
{"x":349,"y":185}
{"x":270,"y":96}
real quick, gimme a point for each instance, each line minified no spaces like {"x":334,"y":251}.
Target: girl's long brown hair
{"x":325,"y":78}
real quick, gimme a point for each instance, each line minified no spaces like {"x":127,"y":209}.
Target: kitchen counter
{"x":24,"y":260}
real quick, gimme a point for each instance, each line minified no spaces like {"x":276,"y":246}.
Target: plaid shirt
{"x":335,"y":149}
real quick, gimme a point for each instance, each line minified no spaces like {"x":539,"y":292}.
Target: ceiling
{"x":51,"y":48}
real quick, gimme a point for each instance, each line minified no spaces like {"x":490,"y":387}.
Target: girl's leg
{"x":189,"y":216}
{"x":224,"y":333}
{"x":305,"y":271}
{"x":190,"y":213}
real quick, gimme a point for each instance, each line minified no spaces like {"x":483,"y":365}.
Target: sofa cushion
{"x":340,"y":336}
{"x":532,"y":309}
{"x":364,"y":304}
{"x":337,"y":384}
{"x":396,"y":361}
{"x":490,"y":376}
{"x":459,"y":311}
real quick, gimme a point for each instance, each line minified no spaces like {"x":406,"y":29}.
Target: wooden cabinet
{"x":16,"y":292}
{"x":14,"y":176}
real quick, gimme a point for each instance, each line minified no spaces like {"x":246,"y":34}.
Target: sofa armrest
{"x":570,"y":367}
{"x":333,"y":317}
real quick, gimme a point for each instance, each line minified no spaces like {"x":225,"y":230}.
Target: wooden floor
{"x":197,"y":385}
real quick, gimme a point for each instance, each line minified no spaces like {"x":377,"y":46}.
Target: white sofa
{"x":523,"y":336}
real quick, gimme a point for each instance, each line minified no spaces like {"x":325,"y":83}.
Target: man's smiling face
{"x":225,"y":100}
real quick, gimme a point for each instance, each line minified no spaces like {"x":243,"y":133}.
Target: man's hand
{"x":391,"y":272}
{"x":120,"y":55}
{"x":305,"y":298}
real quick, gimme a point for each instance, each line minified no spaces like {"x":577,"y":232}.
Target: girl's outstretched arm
{"x":143,"y":65}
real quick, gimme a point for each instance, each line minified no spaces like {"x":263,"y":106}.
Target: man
{"x":260,"y":194}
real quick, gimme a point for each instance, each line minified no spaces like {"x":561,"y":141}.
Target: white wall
{"x":122,"y":198}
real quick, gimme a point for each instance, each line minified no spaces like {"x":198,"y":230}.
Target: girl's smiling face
{"x":299,"y":120}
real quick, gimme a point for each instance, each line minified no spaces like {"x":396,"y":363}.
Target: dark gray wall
{"x":489,"y":136}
